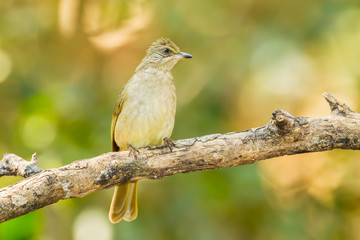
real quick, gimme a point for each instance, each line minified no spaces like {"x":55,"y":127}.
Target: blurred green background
{"x":63,"y":64}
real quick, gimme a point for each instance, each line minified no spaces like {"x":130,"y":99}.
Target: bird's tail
{"x":124,"y":203}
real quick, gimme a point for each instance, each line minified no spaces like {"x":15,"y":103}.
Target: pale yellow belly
{"x":143,"y":124}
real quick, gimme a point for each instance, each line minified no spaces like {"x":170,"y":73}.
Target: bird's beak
{"x":184,"y":55}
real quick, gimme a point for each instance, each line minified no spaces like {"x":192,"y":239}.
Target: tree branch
{"x":283,"y":135}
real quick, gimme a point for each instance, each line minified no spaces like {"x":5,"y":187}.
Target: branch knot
{"x":284,"y":121}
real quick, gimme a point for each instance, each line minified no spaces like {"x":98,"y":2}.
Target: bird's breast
{"x":148,"y":113}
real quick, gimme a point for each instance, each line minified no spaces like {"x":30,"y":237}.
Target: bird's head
{"x":162,"y":54}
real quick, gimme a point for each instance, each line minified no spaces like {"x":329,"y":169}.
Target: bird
{"x":144,"y":115}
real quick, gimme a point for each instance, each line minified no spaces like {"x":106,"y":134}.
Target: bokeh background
{"x":63,"y":64}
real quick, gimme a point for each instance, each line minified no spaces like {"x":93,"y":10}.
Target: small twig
{"x":34,"y":158}
{"x":336,"y":106}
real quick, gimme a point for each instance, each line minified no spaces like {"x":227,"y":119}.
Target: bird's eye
{"x":166,"y":50}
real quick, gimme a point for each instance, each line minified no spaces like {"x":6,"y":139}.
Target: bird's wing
{"x":117,"y":111}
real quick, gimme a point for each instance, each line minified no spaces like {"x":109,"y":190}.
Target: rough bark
{"x":13,"y":165}
{"x":283,"y":135}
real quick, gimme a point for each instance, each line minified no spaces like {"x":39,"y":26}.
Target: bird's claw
{"x":169,"y":143}
{"x":133,"y":151}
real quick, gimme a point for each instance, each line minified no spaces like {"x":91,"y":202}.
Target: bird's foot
{"x":133,"y":151}
{"x":169,"y":143}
